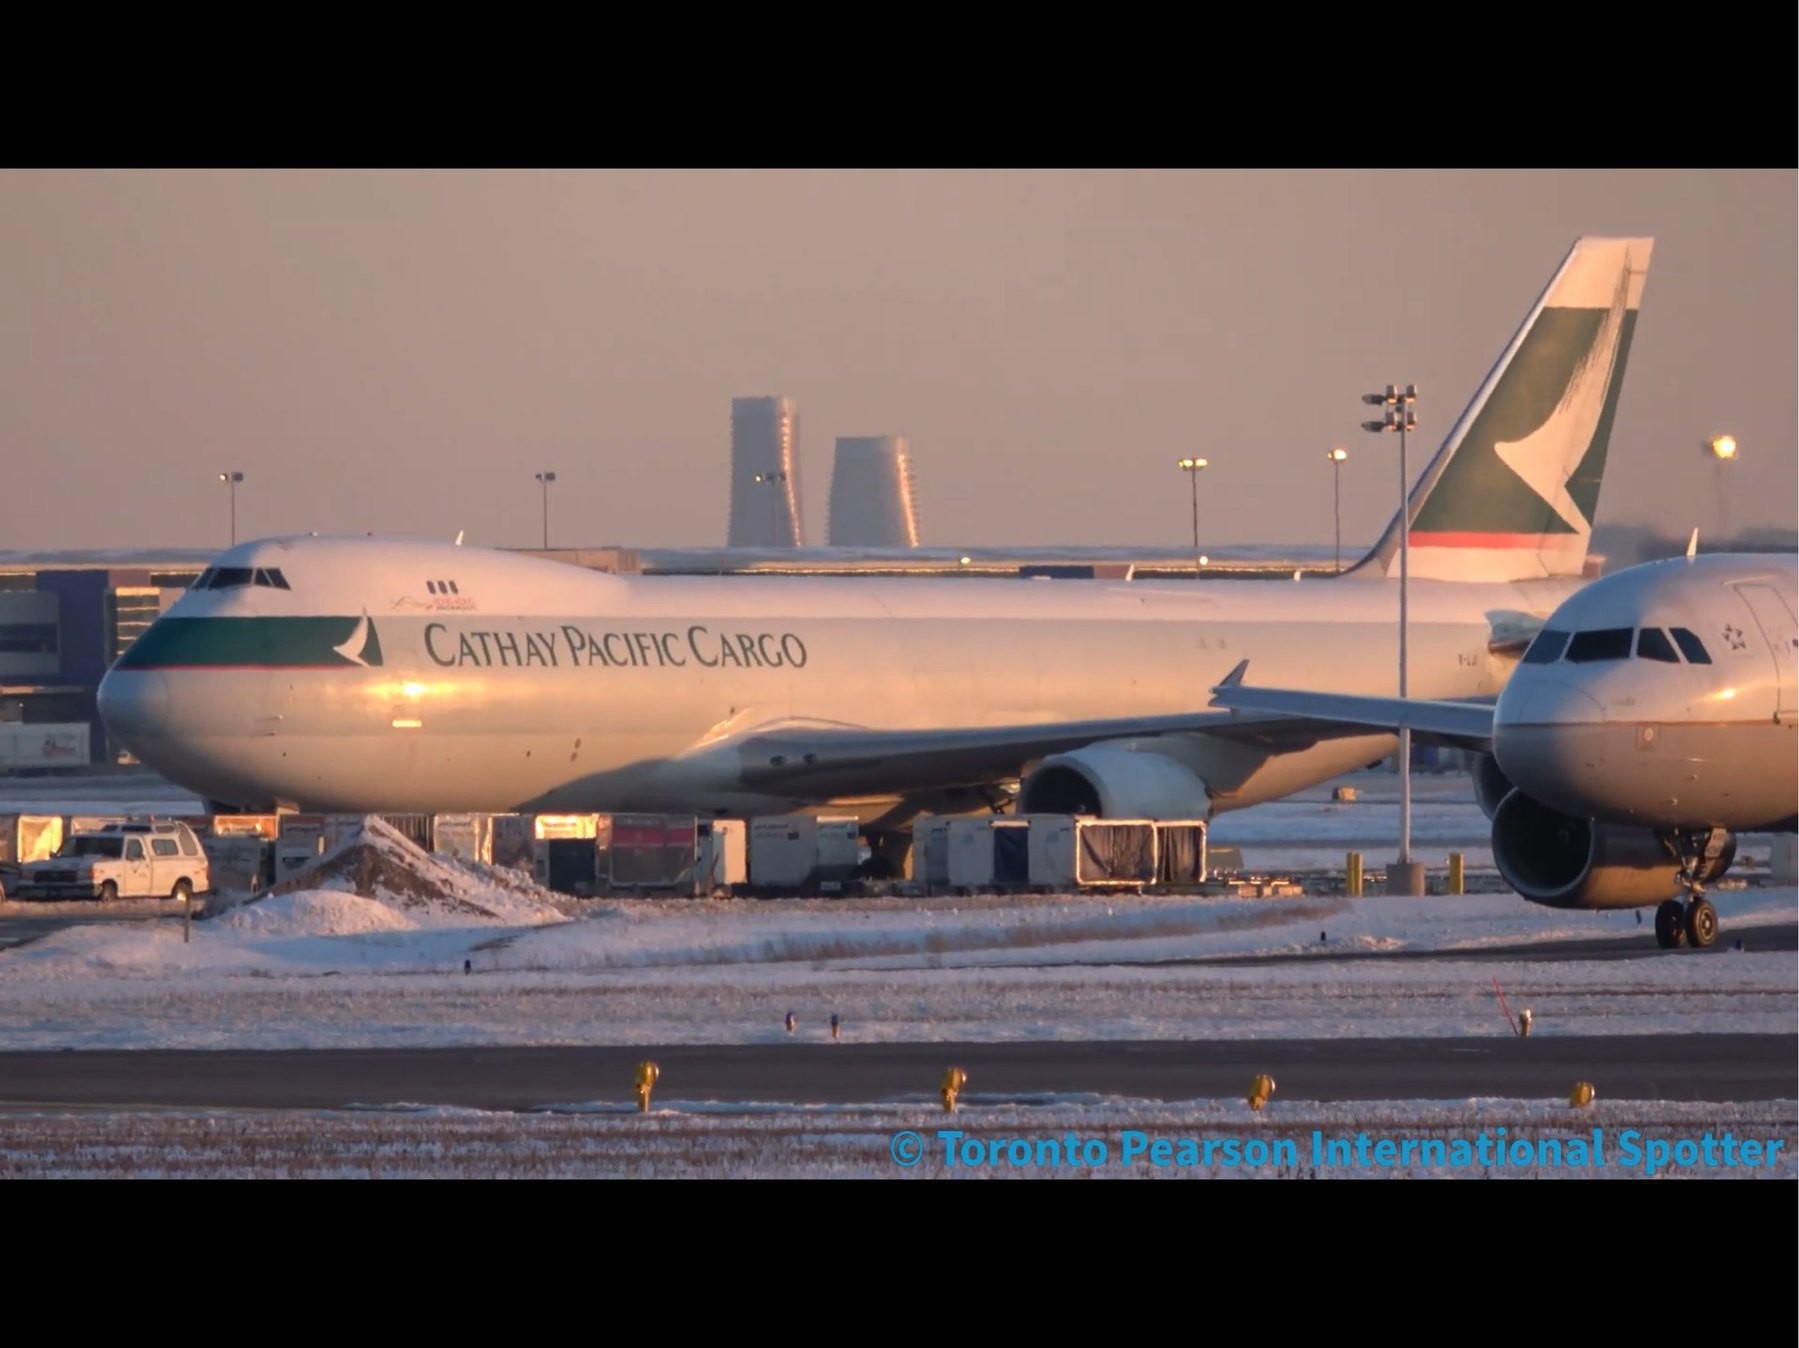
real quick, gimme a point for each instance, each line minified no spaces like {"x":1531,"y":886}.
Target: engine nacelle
{"x":1114,"y":781}
{"x":1491,"y":786}
{"x":1563,"y":862}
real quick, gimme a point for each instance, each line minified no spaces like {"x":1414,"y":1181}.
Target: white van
{"x":122,"y":861}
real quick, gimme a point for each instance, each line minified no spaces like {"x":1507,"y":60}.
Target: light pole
{"x":545,"y":479}
{"x":774,"y":512}
{"x":1723,"y":450}
{"x":1193,"y":468}
{"x":1336,"y":456}
{"x":1400,"y":417}
{"x":231,"y":480}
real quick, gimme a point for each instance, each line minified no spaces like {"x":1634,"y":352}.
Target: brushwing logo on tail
{"x":1547,"y":459}
{"x":1512,"y":492}
{"x":363,"y":647}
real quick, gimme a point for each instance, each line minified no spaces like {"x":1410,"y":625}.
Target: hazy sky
{"x":400,"y":351}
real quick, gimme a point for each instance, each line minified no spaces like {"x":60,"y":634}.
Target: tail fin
{"x":1512,"y":492}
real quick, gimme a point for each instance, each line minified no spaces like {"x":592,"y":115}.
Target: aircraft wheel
{"x":1670,"y":925}
{"x":1701,"y":923}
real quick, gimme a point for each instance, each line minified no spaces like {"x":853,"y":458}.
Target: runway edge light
{"x":1260,"y":1089}
{"x":954,"y":1079}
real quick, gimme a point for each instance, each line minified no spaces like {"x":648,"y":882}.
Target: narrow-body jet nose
{"x":1552,"y":739}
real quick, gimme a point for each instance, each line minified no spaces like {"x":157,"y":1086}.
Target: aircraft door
{"x":1781,"y":629}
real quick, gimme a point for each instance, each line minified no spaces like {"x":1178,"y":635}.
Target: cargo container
{"x":565,"y":825}
{"x":264,"y":826}
{"x":930,"y":850}
{"x":300,"y":843}
{"x":651,"y":852}
{"x":29,"y":837}
{"x":567,"y":865}
{"x":989,"y":852}
{"x":511,"y":843}
{"x":27,"y":748}
{"x":1071,"y":853}
{"x":467,"y":837}
{"x":241,"y":862}
{"x":804,"y":853}
{"x":724,"y":855}
{"x":1182,"y":856}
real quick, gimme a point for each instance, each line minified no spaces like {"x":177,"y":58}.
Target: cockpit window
{"x":1547,"y":648}
{"x":272,"y":578}
{"x":1653,"y":644}
{"x":230,"y":577}
{"x":1605,"y":643}
{"x":1692,"y":647}
{"x":204,"y":580}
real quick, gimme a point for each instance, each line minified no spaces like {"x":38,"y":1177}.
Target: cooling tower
{"x":765,"y":474}
{"x":871,"y":494}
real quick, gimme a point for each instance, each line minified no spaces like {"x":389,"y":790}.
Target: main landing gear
{"x":1704,"y":855}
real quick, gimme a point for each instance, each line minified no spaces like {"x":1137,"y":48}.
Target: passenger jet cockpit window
{"x":1547,"y":648}
{"x":1605,"y":643}
{"x":1653,"y":644}
{"x":1692,"y":647}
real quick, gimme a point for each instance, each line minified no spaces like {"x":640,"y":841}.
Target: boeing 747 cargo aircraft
{"x":379,"y":675}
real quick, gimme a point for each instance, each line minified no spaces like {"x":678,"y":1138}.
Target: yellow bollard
{"x":647,"y":1072}
{"x":1260,"y":1089}
{"x":953,"y":1081}
{"x":1582,"y":1094}
{"x":1352,"y":865}
{"x":1456,"y":873}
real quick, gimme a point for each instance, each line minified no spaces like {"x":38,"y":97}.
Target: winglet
{"x":1232,"y":680}
{"x":459,"y":534}
{"x":1693,"y":544}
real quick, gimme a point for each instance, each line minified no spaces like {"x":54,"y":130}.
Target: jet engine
{"x":1114,"y":781}
{"x":1491,"y":786}
{"x":1562,"y":862}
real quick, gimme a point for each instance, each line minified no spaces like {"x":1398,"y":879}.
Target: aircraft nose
{"x":1551,"y":738}
{"x":1533,"y":699}
{"x":134,"y":704}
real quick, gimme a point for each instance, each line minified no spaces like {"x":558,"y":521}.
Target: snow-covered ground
{"x":431,"y":952}
{"x":385,"y":946}
{"x":1063,"y":1139}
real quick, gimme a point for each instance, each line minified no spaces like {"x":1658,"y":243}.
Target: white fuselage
{"x":497,"y":682}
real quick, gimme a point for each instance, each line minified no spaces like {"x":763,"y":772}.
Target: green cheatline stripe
{"x":289,"y":643}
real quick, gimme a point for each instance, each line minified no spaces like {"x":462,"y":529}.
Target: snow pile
{"x":378,"y":879}
{"x":318,"y":912}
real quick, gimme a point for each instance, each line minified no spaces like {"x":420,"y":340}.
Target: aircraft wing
{"x":1462,"y":725}
{"x":848,"y":760}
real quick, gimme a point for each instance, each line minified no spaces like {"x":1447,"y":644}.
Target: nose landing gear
{"x":1704,"y":856}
